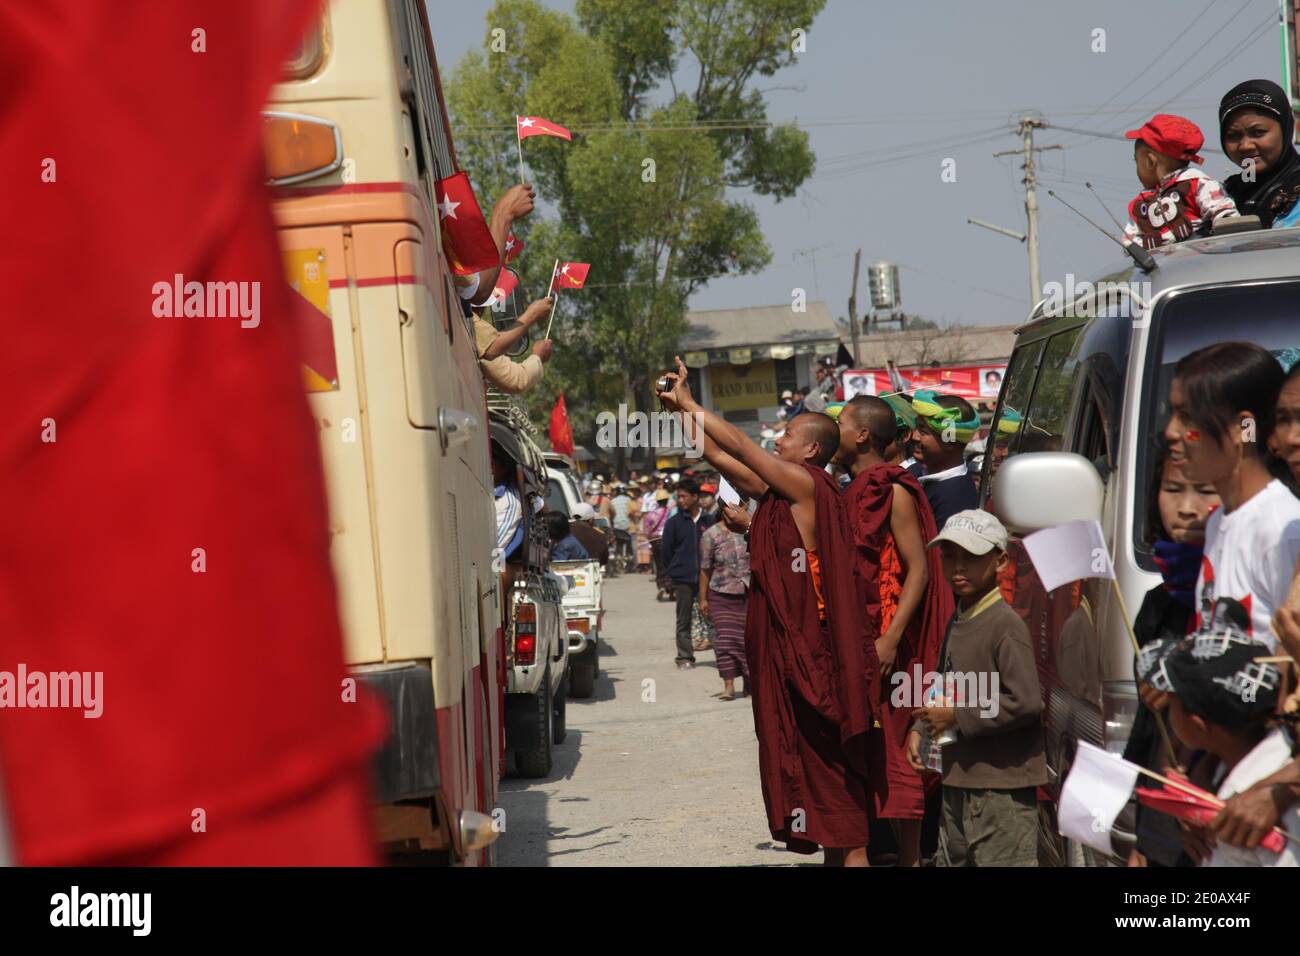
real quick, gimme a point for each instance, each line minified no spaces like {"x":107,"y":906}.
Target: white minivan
{"x":1075,"y":436}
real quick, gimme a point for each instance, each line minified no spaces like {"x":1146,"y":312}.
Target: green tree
{"x":665,"y":118}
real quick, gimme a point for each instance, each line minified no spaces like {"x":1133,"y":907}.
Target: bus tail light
{"x":299,"y":147}
{"x":525,"y":634}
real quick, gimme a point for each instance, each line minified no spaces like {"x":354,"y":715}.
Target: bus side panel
{"x":343,"y":443}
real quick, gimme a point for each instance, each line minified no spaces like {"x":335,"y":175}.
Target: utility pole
{"x":1026,"y":129}
{"x":853,"y":310}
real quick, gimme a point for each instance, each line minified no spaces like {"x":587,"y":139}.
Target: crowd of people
{"x":855,"y":551}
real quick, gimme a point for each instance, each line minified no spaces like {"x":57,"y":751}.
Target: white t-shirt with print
{"x":1250,"y":556}
{"x":1268,"y":757}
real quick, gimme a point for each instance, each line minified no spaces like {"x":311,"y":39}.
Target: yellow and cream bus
{"x":356,"y":136}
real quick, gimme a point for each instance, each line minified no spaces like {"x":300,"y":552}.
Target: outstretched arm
{"x":505,"y":341}
{"x":789,"y":480}
{"x":742,"y":478}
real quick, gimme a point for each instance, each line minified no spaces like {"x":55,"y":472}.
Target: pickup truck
{"x":583,"y":613}
{"x":537,"y":644}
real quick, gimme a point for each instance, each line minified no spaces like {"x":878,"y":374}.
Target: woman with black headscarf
{"x":1257,"y":131}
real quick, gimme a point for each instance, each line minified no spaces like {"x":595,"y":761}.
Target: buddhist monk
{"x":811,"y":657}
{"x":891,"y":522}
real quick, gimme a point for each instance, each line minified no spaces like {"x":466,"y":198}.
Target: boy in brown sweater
{"x":991,"y":705}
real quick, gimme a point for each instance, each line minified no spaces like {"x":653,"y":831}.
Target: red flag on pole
{"x":513,"y":248}
{"x":572,"y":275}
{"x":506,"y":283}
{"x":466,"y":238}
{"x":527,"y":126}
{"x":561,"y":433}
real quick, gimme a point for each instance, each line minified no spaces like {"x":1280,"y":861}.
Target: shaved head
{"x":812,"y":427}
{"x":875,"y":415}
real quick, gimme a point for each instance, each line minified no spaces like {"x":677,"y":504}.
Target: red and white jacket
{"x":1176,"y":209}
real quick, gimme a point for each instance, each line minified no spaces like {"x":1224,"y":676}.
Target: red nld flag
{"x":506,"y":283}
{"x":572,"y":275}
{"x":527,"y":126}
{"x":513,"y":248}
{"x":561,"y":433}
{"x":1200,"y":807}
{"x":466,"y":238}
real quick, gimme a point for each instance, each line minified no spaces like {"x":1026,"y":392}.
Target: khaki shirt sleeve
{"x":513,"y":377}
{"x":484,"y":335}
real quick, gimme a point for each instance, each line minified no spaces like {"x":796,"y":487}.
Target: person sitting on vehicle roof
{"x":564,"y":546}
{"x":1257,"y":130}
{"x":1179,"y":201}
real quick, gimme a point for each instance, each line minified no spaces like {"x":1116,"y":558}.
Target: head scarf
{"x":1277,"y":191}
{"x":926,"y":405}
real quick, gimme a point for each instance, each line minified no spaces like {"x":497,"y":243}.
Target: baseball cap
{"x":584,"y":512}
{"x":1172,"y":136}
{"x":709,"y":489}
{"x":974,"y":530}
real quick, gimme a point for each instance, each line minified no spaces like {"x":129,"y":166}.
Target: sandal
{"x":726,"y":696}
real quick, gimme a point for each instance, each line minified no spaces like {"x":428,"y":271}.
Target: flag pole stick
{"x":1137,"y":650}
{"x":555,"y":270}
{"x":519,"y":142}
{"x":552,"y":318}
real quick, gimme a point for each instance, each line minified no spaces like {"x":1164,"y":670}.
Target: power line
{"x":1223,"y":61}
{"x":1214,"y":35}
{"x":1151,"y":63}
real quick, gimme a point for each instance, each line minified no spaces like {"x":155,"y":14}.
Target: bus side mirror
{"x":1040,"y":489}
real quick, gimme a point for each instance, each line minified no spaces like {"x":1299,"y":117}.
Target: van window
{"x":1265,"y":313}
{"x":1044,"y":426}
{"x":1004,"y":432}
{"x":555,"y":500}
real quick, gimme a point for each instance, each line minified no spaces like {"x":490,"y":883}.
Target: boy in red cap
{"x":1179,"y":201}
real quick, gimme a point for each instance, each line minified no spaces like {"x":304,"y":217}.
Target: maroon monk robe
{"x":898,"y":793}
{"x":814,"y":684}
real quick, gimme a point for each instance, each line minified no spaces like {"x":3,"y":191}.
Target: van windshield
{"x":1267,"y":314}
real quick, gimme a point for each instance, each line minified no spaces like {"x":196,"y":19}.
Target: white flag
{"x":1069,"y":552}
{"x":1098,"y":787}
{"x":726,"y":493}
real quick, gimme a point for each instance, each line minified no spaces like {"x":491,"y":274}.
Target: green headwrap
{"x":941,"y":419}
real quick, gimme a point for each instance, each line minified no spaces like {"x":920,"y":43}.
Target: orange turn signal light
{"x":299,"y":147}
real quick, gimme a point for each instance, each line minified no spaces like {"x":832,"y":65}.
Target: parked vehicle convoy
{"x":537,"y":639}
{"x":356,"y":135}
{"x":1080,"y":415}
{"x":583,"y":613}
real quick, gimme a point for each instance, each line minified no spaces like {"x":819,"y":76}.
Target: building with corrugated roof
{"x":741,"y":360}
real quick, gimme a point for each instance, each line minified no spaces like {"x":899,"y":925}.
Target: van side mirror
{"x":1040,"y":489}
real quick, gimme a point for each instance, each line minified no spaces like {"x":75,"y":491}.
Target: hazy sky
{"x":888,"y":91}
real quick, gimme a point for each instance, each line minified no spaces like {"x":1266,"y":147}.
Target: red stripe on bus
{"x":380,"y":280}
{"x":289,"y":192}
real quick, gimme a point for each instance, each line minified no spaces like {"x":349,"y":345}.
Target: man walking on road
{"x":680,"y":551}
